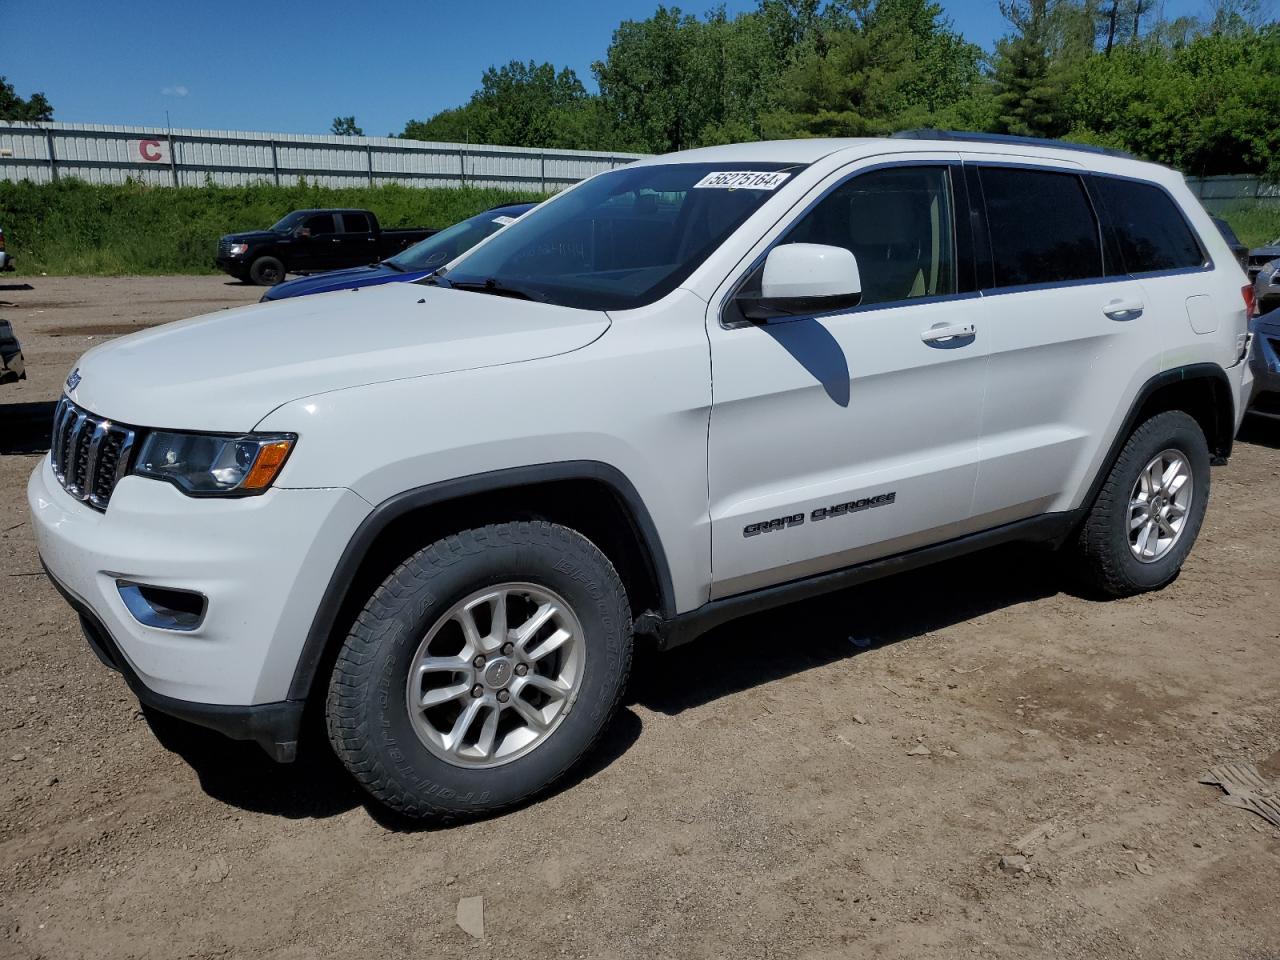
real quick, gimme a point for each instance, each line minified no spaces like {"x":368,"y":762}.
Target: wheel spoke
{"x":439,"y":695}
{"x":1166,"y":528}
{"x":527,"y":630}
{"x":553,"y":642}
{"x":531,"y":714}
{"x":1177,"y":483}
{"x":470,"y":632}
{"x":442,"y":665}
{"x":551,"y":688}
{"x":1169,"y":475}
{"x":1139,"y":518}
{"x":460,"y":726}
{"x":488,"y":733}
{"x":498,"y":624}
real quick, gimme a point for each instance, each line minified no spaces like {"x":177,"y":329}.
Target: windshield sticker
{"x":741,"y":180}
{"x":504,"y":220}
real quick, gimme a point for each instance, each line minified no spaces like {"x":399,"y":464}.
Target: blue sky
{"x":291,"y":66}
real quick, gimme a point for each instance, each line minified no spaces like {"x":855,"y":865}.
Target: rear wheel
{"x":1148,"y":514}
{"x":266,"y":271}
{"x":481,"y":670}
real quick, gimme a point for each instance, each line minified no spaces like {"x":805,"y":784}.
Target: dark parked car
{"x":12,"y":366}
{"x":1266,"y":287}
{"x":1259,"y":257}
{"x":6,"y":261}
{"x":1265,"y":361}
{"x":412,"y":264}
{"x":1238,"y":249}
{"x":307,"y":241}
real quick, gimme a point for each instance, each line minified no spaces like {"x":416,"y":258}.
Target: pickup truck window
{"x":319,"y":224}
{"x":623,"y":239}
{"x":355,"y":223}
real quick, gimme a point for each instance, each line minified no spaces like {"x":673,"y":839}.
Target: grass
{"x":73,"y":227}
{"x":1254,"y":223}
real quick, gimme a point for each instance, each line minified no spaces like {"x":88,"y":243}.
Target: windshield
{"x":623,"y":239}
{"x":439,"y":248}
{"x":288,"y":222}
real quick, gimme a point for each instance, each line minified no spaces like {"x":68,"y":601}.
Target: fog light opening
{"x":161,"y":607}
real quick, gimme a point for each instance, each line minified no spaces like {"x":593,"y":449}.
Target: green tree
{"x":346,"y":127}
{"x":13,"y":107}
{"x":1037,"y":63}
{"x":520,"y":105}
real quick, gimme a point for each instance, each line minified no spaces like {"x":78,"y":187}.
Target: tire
{"x":266,"y":271}
{"x":1106,"y":553}
{"x":402,"y":756}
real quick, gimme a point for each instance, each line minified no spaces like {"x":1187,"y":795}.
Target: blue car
{"x":413,"y":263}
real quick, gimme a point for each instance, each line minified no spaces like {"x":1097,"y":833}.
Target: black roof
{"x":973,"y":136}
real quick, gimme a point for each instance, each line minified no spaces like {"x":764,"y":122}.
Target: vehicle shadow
{"x":816,"y":633}
{"x":738,"y":656}
{"x":25,"y":427}
{"x":1260,"y":431}
{"x":316,"y":785}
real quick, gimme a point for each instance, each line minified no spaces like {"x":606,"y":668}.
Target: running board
{"x":1050,"y":528}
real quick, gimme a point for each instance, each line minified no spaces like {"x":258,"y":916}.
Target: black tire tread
{"x":349,"y":685}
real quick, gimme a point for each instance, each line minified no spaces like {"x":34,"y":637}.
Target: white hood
{"x":226,"y":371}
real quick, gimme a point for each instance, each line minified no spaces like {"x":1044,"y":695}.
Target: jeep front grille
{"x":89,"y":454}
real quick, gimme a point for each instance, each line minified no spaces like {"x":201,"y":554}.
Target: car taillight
{"x":1250,"y":301}
{"x":1,"y":239}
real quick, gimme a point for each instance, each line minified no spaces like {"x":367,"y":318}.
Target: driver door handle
{"x":948,"y":332}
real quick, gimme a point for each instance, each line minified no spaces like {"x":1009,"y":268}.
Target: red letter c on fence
{"x":150,"y":150}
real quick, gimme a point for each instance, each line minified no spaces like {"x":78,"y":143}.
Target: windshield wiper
{"x":497,"y":289}
{"x":393,"y":265}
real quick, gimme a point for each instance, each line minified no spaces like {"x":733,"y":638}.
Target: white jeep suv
{"x":682,"y":391}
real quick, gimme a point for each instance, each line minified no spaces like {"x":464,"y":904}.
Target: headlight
{"x":207,"y":466}
{"x":238,"y":249}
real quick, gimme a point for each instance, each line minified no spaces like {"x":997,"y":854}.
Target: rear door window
{"x":1151,"y":231}
{"x":1042,"y":224}
{"x":355,"y":223}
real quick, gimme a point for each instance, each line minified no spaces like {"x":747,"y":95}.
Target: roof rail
{"x":973,"y":136}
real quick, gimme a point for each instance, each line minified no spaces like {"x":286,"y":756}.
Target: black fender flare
{"x":393,"y":508}
{"x":1194,"y":371}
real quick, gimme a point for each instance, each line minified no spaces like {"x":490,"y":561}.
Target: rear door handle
{"x":1124,"y":309}
{"x":946,"y":333}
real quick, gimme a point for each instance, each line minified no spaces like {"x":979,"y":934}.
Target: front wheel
{"x":1149,"y":511}
{"x":266,"y":271}
{"x":481,"y":670}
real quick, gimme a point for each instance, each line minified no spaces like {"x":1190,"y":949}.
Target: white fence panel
{"x":103,"y":153}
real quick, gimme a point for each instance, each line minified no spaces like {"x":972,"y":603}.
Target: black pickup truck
{"x":310,"y":241}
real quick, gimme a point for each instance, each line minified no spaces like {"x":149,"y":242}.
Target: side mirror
{"x":800,"y":279}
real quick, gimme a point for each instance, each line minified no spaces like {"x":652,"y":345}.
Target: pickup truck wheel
{"x":266,"y":271}
{"x":481,"y":670}
{"x":1149,"y":511}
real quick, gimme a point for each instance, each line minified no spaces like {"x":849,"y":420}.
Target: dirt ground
{"x":761,"y":795}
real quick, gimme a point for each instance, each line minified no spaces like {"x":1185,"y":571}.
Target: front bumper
{"x":235,"y":266}
{"x":261,"y":562}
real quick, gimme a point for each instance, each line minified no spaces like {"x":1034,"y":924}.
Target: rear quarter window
{"x":1151,"y":231}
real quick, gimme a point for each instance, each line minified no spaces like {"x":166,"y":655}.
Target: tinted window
{"x":320,"y":223}
{"x":1149,"y":228}
{"x":355,"y":222}
{"x":898,"y":223}
{"x":1042,"y":227}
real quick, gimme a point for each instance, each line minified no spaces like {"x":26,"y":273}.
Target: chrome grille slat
{"x":89,"y":454}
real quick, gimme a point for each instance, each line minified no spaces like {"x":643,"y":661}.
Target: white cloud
{"x":178,"y":91}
